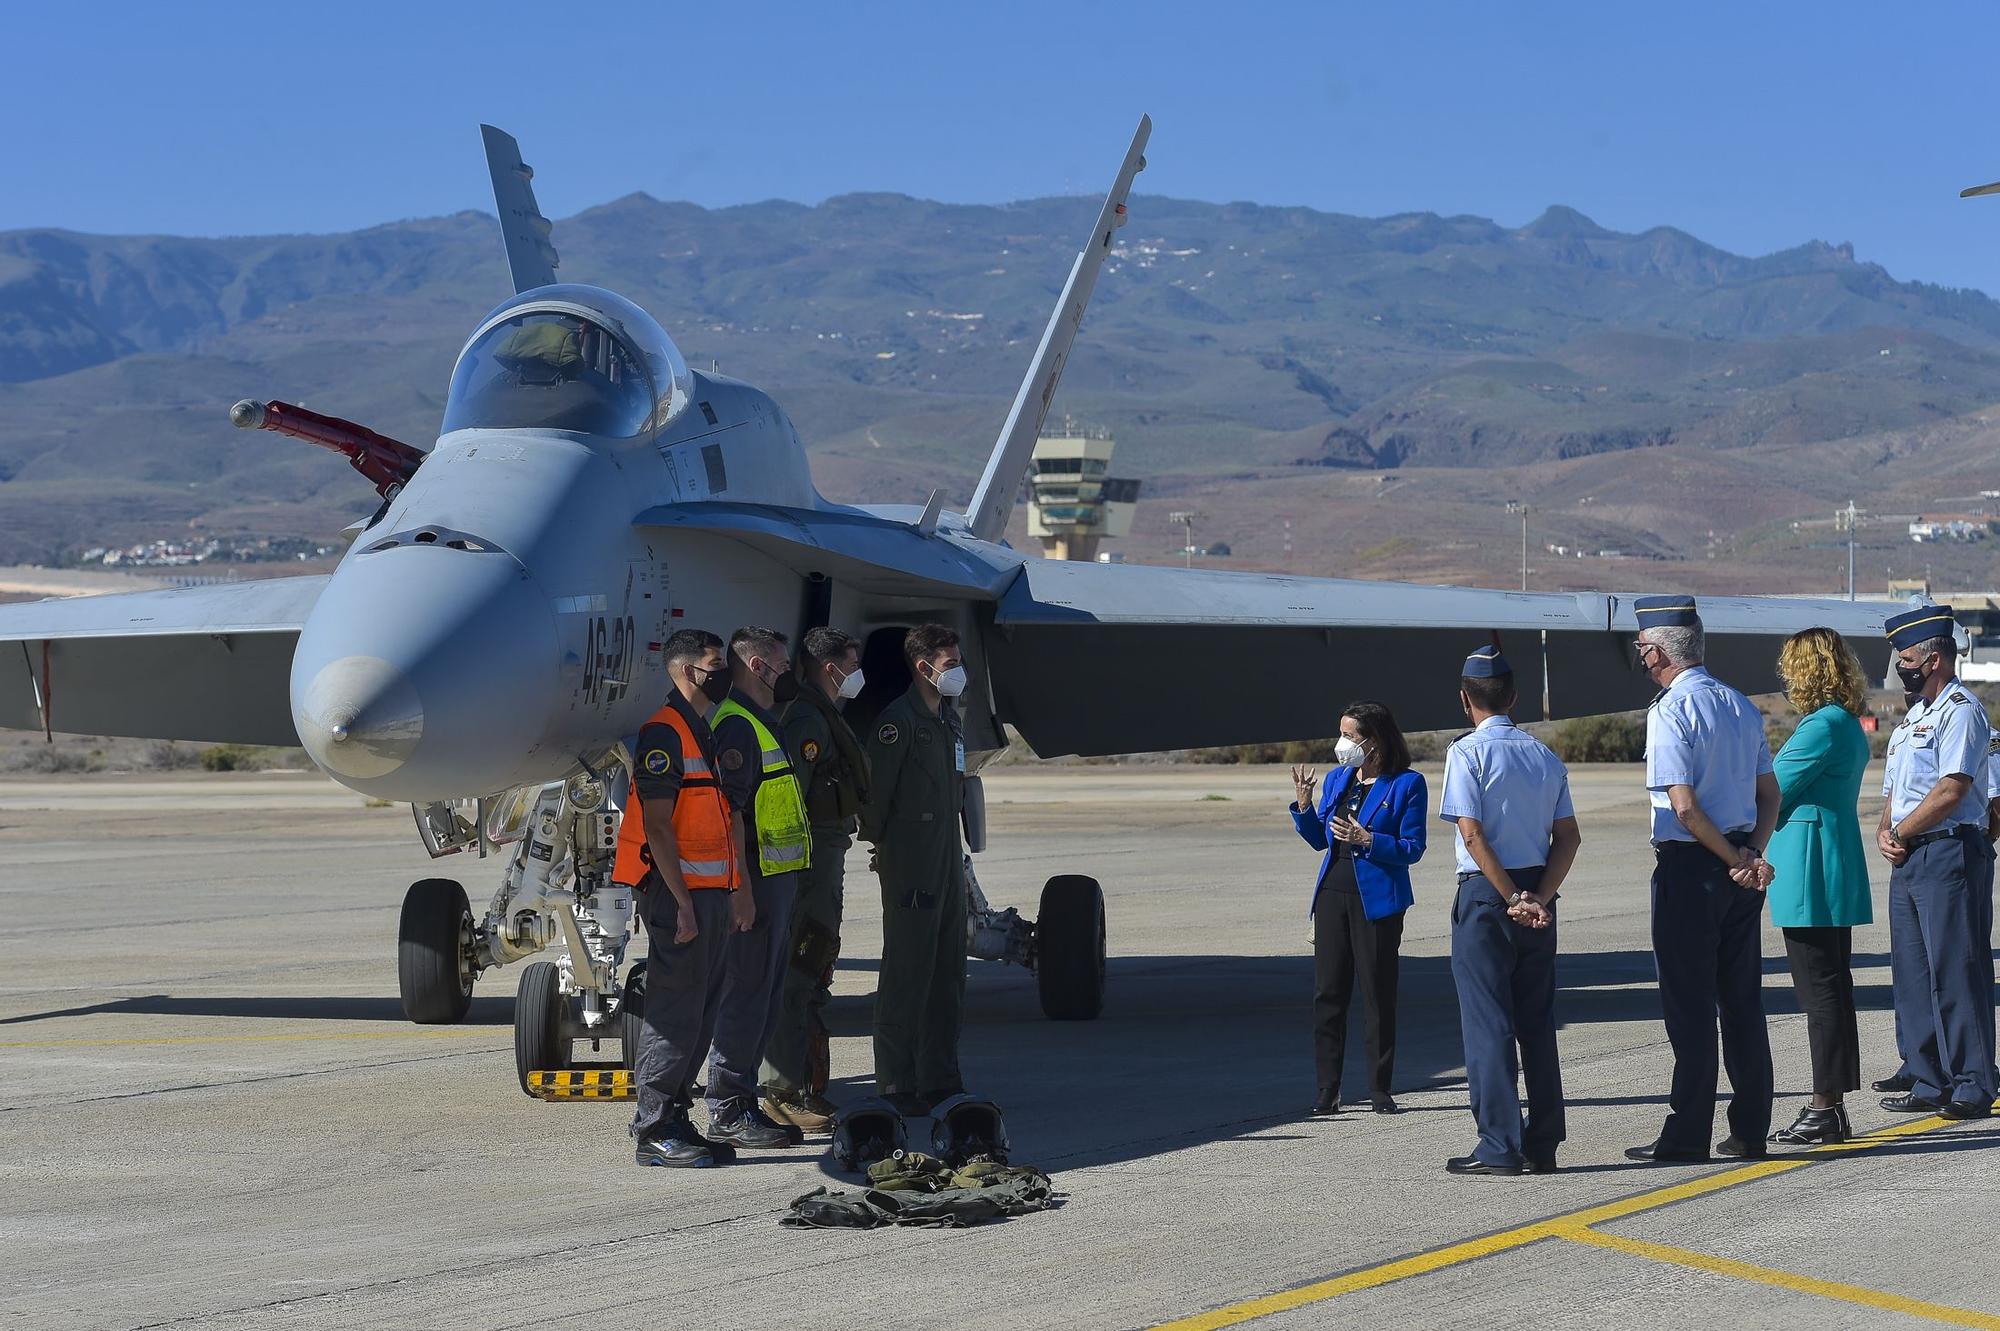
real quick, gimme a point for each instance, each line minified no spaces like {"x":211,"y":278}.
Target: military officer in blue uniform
{"x":1932,"y":834}
{"x":1508,"y":796}
{"x":1715,"y":805}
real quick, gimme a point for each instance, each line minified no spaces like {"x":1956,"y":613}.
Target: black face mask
{"x":715,"y":685}
{"x":785,"y":687}
{"x":1913,"y":679}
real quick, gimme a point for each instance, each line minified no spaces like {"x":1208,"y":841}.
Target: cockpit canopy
{"x":568,"y":357}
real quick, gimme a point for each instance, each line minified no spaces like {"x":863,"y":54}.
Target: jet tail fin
{"x":531,"y":259}
{"x":993,"y":501}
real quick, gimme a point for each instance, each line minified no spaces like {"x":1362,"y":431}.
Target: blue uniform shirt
{"x":1514,"y":786}
{"x":1947,"y":737}
{"x":1704,"y":734}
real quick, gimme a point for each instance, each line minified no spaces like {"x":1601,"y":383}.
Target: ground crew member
{"x":756,"y":774}
{"x":1715,"y":805}
{"x":834,"y":771}
{"x":1941,"y":876}
{"x":677,"y":846}
{"x":916,"y":760}
{"x":1517,"y":838}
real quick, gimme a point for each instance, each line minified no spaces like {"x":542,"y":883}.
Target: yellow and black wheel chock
{"x":582,"y":1084}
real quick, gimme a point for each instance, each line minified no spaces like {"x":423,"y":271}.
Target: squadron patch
{"x":888,"y":734}
{"x":810,"y":750}
{"x":657,"y":762}
{"x":732,"y":759}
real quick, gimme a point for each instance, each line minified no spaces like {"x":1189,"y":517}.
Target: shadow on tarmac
{"x":493,"y":1011}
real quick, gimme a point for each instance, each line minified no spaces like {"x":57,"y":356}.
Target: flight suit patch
{"x":732,"y":759}
{"x":657,"y":762}
{"x":888,"y":734}
{"x":810,"y":750}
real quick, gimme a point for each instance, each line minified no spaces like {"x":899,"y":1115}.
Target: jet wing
{"x":196,"y":663}
{"x":1109,"y":658}
{"x":869,"y":552}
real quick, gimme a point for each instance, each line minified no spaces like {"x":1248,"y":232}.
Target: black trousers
{"x":1347,"y":946}
{"x":1706,"y":947}
{"x":1823,"y":978}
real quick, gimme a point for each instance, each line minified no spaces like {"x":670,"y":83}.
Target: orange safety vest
{"x":709,"y":856}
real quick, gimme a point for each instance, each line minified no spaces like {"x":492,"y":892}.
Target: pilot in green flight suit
{"x":834,"y":771}
{"x":916,"y":759}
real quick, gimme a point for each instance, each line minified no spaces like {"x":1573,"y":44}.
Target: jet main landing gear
{"x":1064,"y":947}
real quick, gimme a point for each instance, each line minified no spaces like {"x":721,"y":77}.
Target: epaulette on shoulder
{"x":1993,"y":744}
{"x":1957,"y":696}
{"x":1467,"y":734}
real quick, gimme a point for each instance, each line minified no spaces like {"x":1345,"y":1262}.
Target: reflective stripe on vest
{"x":784,"y":836}
{"x":708,"y":857}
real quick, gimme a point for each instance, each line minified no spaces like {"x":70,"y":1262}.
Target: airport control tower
{"x":1072,"y":502}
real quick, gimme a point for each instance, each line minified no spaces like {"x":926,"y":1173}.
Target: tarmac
{"x":213,"y":1114}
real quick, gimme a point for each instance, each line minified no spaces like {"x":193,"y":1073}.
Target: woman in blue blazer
{"x":1819,"y":890}
{"x":1370,"y":820}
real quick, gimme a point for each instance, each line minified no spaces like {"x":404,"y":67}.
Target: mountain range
{"x":1381,"y":382}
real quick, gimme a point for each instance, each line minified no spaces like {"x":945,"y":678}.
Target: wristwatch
{"x":1518,"y":897}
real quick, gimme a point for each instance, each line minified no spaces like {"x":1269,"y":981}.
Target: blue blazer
{"x":1396,"y":812}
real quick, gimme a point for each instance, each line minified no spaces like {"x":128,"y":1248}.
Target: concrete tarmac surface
{"x":213,"y":1114}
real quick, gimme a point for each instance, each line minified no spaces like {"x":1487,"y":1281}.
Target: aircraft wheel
{"x":541,"y":1043}
{"x":436,"y":961}
{"x":632,"y":1016}
{"x":1069,"y":948}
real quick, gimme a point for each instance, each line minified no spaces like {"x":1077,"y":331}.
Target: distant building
{"x":1073,"y":501}
{"x":1926,"y":530}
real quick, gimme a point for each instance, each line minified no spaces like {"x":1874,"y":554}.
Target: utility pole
{"x":1847,"y":519}
{"x":1514,"y":506}
{"x":1186,"y":518}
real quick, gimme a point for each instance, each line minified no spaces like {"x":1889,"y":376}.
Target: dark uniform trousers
{"x":1506,"y":978}
{"x":1941,"y":963}
{"x":1349,"y":947}
{"x":815,"y":945}
{"x":678,"y":1021}
{"x":1708,"y":948}
{"x":745,"y":993}
{"x":1822,"y":958}
{"x":921,"y":990}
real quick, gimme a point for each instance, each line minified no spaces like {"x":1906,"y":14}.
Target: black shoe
{"x":1472,"y":1164}
{"x":1541,"y":1164}
{"x":1736,"y":1148}
{"x":739,"y":1124}
{"x":1964,"y":1109}
{"x":1902,"y":1081}
{"x":1909,"y":1102}
{"x":909,"y":1104}
{"x":1815,"y":1127}
{"x":675,"y":1146}
{"x":1655,"y":1154}
{"x":1382,"y":1104}
{"x":1326,"y":1103}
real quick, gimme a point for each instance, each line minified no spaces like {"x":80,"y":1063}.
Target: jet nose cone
{"x":360,"y":717}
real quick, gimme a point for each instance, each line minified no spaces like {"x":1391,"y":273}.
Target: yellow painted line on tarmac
{"x":290,"y":1038}
{"x":1566,"y":1226}
{"x":1764,"y":1275}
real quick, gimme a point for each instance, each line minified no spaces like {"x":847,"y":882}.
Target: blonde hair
{"x":1818,"y":668}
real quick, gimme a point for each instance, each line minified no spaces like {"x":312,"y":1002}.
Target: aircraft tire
{"x":1069,"y":948}
{"x":540,"y":1042}
{"x":434,"y":966}
{"x":632,"y":1016}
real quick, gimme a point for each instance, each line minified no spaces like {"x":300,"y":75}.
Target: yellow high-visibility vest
{"x":784,"y":835}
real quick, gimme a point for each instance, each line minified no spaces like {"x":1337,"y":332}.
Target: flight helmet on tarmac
{"x":867,"y":1131}
{"x":966,"y":1127}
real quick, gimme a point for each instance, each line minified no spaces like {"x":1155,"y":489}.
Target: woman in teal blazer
{"x":1820,"y":888}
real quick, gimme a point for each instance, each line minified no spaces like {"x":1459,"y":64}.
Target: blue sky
{"x":1754,"y":126}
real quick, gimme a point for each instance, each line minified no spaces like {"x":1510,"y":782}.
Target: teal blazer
{"x":1822,"y":871}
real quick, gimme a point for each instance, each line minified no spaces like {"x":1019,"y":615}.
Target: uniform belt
{"x":1939,"y":834}
{"x":1737,"y":838}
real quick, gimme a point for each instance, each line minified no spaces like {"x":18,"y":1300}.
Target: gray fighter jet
{"x":489,"y":643}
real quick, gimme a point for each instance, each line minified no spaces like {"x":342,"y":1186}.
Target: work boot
{"x":807,"y":1112}
{"x":674,"y":1145}
{"x":739,"y":1124}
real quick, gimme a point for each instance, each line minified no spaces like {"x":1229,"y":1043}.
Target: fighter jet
{"x":490,"y":642}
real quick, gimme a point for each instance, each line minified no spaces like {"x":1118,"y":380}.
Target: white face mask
{"x":851,"y":686}
{"x":1348,"y":752}
{"x":951,"y":683}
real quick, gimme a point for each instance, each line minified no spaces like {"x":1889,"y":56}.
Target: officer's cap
{"x":1666,"y":612}
{"x":1486,"y":663}
{"x":1920,"y":624}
